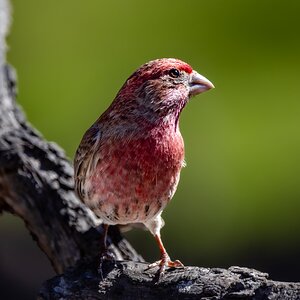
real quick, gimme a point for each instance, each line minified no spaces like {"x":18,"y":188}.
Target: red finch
{"x":128,"y":163}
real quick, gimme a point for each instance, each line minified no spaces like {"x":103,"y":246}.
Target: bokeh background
{"x":238,"y":199}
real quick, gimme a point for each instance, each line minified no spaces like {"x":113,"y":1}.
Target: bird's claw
{"x":105,"y":256}
{"x":163,"y":263}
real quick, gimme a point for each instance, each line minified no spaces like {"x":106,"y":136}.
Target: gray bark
{"x":129,"y":280}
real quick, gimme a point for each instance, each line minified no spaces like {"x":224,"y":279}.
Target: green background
{"x":238,"y":198}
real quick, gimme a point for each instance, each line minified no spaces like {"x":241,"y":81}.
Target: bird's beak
{"x":199,"y":84}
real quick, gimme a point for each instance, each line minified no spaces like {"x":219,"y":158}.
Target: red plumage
{"x":128,"y":163}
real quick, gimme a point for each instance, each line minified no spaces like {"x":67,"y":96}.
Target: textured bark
{"x":36,"y":184}
{"x":129,"y":280}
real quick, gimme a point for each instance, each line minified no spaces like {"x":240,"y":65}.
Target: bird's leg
{"x":154,"y":225}
{"x":104,"y":254}
{"x":104,"y":239}
{"x":165,"y":260}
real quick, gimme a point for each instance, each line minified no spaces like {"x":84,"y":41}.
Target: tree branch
{"x":129,"y":280}
{"x":36,"y":184}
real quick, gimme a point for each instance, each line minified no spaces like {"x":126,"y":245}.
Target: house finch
{"x":128,"y":163}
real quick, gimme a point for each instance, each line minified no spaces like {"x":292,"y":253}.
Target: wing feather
{"x":86,"y":159}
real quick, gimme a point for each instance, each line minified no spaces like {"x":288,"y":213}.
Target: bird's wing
{"x":85,"y":158}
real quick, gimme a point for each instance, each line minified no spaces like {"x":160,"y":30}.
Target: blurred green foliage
{"x":240,"y":190}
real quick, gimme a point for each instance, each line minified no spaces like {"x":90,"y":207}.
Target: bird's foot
{"x":163,"y":263}
{"x":105,"y":256}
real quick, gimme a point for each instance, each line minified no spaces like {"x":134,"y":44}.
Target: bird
{"x":127,"y":166}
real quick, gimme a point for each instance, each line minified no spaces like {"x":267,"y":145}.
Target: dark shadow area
{"x":23,"y":267}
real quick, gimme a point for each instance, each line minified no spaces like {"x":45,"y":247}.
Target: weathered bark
{"x":36,"y":184}
{"x":129,"y":280}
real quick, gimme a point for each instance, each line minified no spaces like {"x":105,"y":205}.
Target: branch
{"x":129,"y":280}
{"x":36,"y":184}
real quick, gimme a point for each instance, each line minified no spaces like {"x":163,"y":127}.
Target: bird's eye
{"x":174,"y":73}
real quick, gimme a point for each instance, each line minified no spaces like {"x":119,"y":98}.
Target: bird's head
{"x":161,"y":88}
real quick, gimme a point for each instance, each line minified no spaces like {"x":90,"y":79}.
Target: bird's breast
{"x":135,"y":178}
